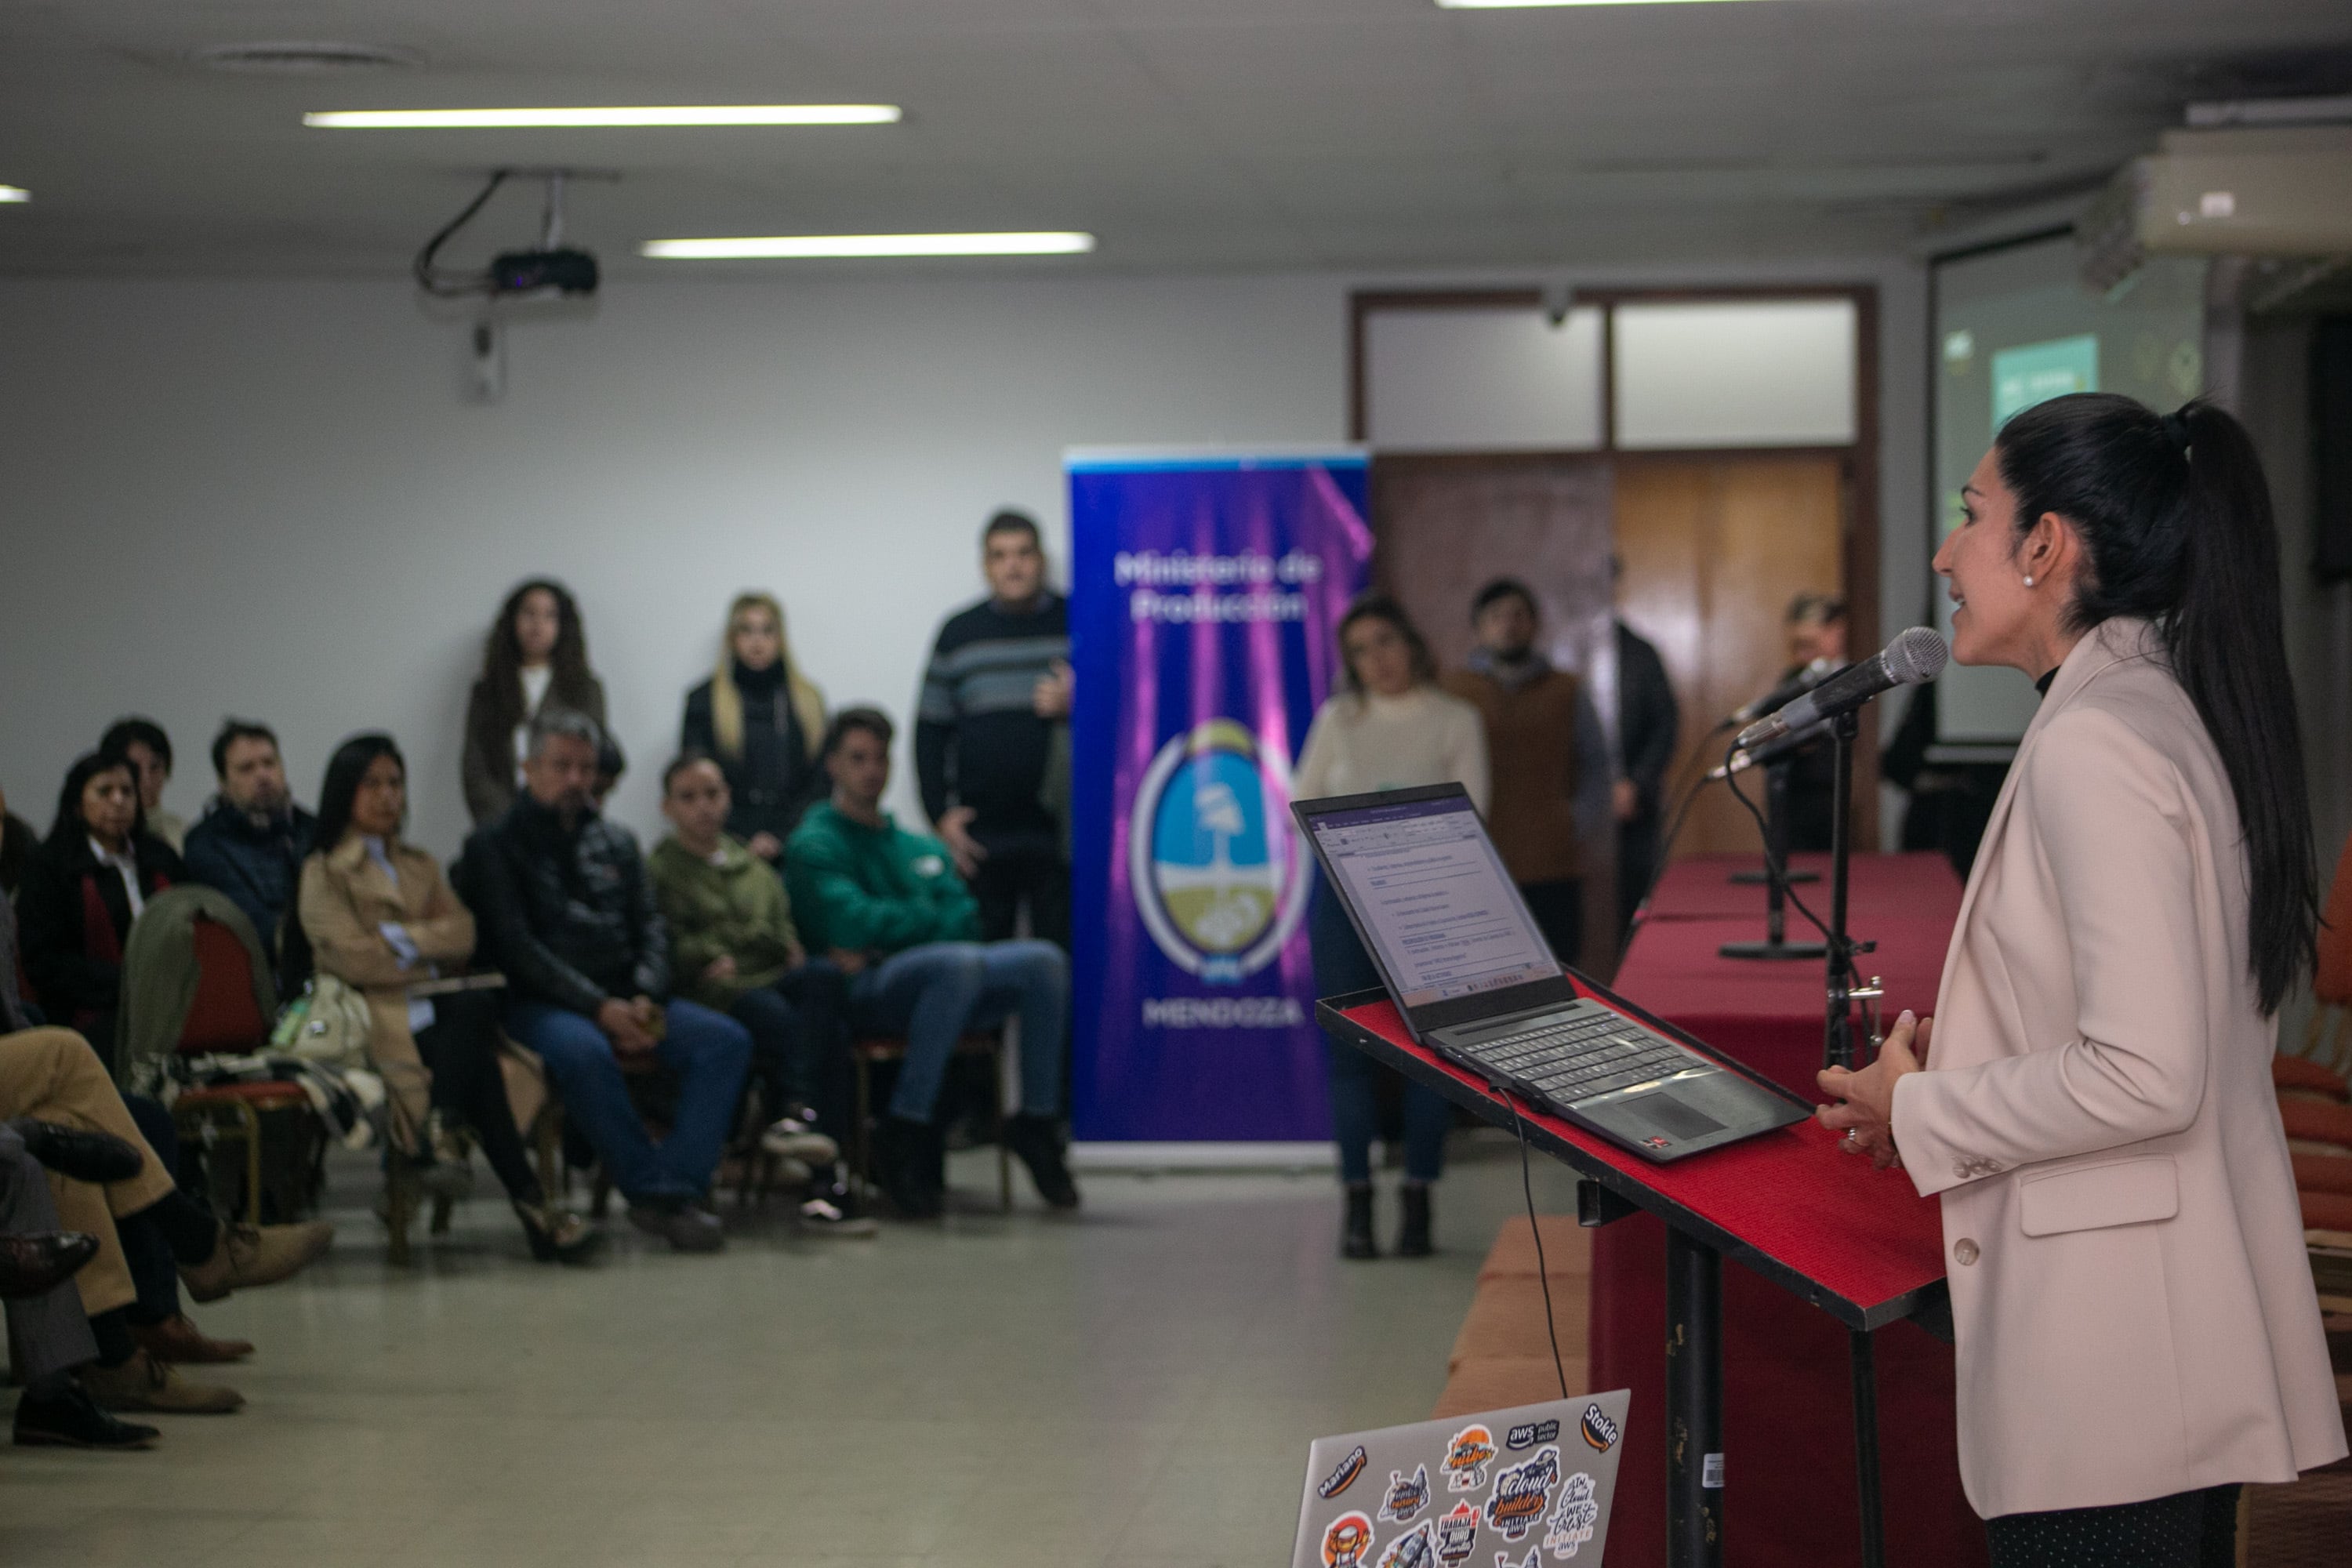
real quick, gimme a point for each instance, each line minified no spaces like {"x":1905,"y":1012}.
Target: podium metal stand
{"x":1895,"y":1272}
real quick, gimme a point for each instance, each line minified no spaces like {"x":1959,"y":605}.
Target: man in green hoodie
{"x":734,"y":948}
{"x":888,"y":906}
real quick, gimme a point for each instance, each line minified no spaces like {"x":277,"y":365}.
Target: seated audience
{"x":251,"y":844}
{"x":573,"y":922}
{"x":150,"y":751}
{"x":735,"y":949}
{"x":762,"y":722}
{"x":151,"y":1236}
{"x":91,"y":876}
{"x":887,"y":905}
{"x":536,"y":658}
{"x":376,"y":914}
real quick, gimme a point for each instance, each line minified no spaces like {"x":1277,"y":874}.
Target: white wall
{"x":268,"y":497}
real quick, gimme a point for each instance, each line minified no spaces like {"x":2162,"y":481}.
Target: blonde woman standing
{"x":761,"y":721}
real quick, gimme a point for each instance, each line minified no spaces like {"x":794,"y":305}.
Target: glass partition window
{"x":1748,"y":372}
{"x":1476,"y":380}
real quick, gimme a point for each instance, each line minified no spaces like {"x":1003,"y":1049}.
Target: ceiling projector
{"x":541,"y":272}
{"x":551,"y":269}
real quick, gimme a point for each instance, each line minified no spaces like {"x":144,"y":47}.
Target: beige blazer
{"x":2135,"y":1311}
{"x":345,"y":899}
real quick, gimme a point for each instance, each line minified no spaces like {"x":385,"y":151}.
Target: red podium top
{"x":1859,"y":1244}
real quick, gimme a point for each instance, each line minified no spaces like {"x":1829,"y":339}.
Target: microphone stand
{"x":1776,"y":818}
{"x":1775,"y":877}
{"x":1838,"y":1050}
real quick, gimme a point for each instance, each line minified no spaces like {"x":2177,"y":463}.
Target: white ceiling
{"x":1189,"y":134}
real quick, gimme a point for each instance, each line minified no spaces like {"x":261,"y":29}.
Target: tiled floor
{"x":1136,"y":1386}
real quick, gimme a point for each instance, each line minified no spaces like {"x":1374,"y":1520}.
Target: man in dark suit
{"x":1648,"y":719}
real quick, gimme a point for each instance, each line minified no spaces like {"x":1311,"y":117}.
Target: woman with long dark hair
{"x":2138,"y":1333}
{"x":376,"y":913}
{"x":761,"y":721}
{"x":1390,"y":726}
{"x":90,"y":877}
{"x":535,"y":657}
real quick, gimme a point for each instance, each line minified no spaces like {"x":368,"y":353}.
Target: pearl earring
{"x":2029,"y":579}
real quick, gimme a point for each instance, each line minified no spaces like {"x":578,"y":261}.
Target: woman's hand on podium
{"x":1866,"y":1111}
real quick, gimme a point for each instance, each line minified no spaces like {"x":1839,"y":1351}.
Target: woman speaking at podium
{"x":2137,"y":1330}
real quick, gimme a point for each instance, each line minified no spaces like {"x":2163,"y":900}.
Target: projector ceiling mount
{"x":549,"y":269}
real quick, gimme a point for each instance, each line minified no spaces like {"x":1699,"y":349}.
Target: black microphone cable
{"x":1543,"y":1269}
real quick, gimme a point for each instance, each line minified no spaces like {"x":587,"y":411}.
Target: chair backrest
{"x":223,"y":1016}
{"x":2331,"y":979}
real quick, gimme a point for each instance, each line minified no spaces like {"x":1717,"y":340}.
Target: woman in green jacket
{"x":733,"y":948}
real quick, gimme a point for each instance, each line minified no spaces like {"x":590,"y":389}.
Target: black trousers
{"x":1637,"y":864}
{"x":2186,"y":1529}
{"x":461,"y":1051}
{"x":800,"y":1044}
{"x":1558,"y":909}
{"x":1023,"y":868}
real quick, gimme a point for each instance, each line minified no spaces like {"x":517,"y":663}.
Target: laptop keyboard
{"x":1582,"y":1058}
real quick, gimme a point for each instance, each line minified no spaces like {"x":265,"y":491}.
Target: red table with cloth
{"x":1787,"y":1424}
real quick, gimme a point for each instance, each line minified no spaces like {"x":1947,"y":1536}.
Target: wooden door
{"x":1714,"y":549}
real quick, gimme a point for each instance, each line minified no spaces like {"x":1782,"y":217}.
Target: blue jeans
{"x":1341,"y":965}
{"x":933,"y":993}
{"x":710,"y":1053}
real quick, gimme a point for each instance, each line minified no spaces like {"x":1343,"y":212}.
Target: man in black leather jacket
{"x":568,"y":912}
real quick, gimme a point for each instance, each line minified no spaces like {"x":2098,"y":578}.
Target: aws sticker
{"x":1405,"y":1497}
{"x":1466,"y":1457}
{"x":1457,"y":1532}
{"x":1573,"y":1517}
{"x":1343,"y":1477}
{"x":1534,"y":1559}
{"x":1348,"y":1544}
{"x":1526,"y":1435}
{"x":1598,"y":1430}
{"x":1217,"y":874}
{"x":1417,"y":1549}
{"x":1522,"y":1493}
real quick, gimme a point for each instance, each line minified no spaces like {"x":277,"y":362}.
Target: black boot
{"x":1412,"y":1232}
{"x":904,"y":1153}
{"x":1356,"y":1231}
{"x":62,"y":1415}
{"x":1037,"y":1142}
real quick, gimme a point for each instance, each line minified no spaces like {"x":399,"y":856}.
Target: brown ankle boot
{"x":175,"y":1339}
{"x":251,"y":1254}
{"x":142,"y":1382}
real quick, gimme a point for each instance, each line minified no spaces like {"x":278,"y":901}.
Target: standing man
{"x":1648,"y":720}
{"x":1549,"y":759}
{"x":570,"y":915}
{"x":252,"y":842}
{"x":991,"y":748}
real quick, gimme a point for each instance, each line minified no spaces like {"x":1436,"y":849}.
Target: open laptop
{"x":1530,"y":1485}
{"x":1467,"y":966}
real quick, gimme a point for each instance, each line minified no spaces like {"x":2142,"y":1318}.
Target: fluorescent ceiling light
{"x":806,"y":246}
{"x":1521,"y":5}
{"x":680,"y":114}
{"x":15,"y":194}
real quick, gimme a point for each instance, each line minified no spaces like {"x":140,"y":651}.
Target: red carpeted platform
{"x":1788,"y":1432}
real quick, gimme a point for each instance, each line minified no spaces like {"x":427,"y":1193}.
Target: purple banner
{"x":1204,"y":596}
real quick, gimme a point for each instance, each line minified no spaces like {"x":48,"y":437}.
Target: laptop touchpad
{"x":1671,"y":1116}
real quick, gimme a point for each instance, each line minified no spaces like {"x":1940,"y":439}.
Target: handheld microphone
{"x":1806,"y":677}
{"x":1915,"y":656}
{"x":1768,"y":752}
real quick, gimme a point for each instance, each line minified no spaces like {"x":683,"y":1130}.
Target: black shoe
{"x":83,"y":1156}
{"x":832,"y":1209}
{"x":685,"y":1227}
{"x":69,"y":1418}
{"x":557,"y":1235}
{"x":904,"y":1155}
{"x":1036,"y":1141}
{"x":1356,"y":1231}
{"x":1412,"y":1231}
{"x":34,"y":1263}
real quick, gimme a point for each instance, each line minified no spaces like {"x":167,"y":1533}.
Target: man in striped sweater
{"x":991,"y":738}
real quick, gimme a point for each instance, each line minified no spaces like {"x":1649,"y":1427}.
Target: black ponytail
{"x":2175,"y":517}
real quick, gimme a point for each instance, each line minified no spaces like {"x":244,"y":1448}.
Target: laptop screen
{"x":1427,"y":886}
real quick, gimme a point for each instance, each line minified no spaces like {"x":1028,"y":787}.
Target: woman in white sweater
{"x":1389,"y":727}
